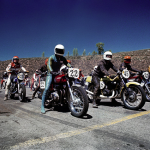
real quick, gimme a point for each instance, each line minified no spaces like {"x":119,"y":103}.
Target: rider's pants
{"x":48,"y":83}
{"x":95,"y":80}
{"x":10,"y":77}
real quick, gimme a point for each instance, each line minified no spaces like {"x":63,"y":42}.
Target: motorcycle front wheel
{"x":79,"y":106}
{"x":136,"y":99}
{"x":22,"y":93}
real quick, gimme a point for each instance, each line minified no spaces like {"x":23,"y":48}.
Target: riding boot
{"x":6,"y":97}
{"x":94,"y":102}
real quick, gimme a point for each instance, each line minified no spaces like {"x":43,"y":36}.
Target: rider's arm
{"x":8,"y":67}
{"x":66,"y":63}
{"x":114,"y":68}
{"x":23,"y":68}
{"x":135,"y":70}
{"x":121,"y":67}
{"x":103,"y":70}
{"x":49,"y":64}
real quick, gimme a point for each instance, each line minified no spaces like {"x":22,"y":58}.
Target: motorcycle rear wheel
{"x":80,"y":106}
{"x":22,"y":94}
{"x":138,"y":97}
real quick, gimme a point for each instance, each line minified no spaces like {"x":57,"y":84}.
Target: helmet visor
{"x":59,"y":51}
{"x":109,"y":56}
{"x":127,"y":61}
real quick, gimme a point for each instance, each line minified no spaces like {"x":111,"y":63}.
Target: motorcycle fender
{"x":89,"y":79}
{"x":129,"y":83}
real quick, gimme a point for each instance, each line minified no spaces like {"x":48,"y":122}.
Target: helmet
{"x":95,"y":67}
{"x":69,"y":61}
{"x":46,"y":61}
{"x":127,"y":59}
{"x":59,"y":50}
{"x":80,"y":70}
{"x":37,"y":71}
{"x":5,"y":73}
{"x":107,"y":55}
{"x":15,"y":58}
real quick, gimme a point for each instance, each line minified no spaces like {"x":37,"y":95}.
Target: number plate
{"x":42,"y":84}
{"x":125,"y":73}
{"x":73,"y":73}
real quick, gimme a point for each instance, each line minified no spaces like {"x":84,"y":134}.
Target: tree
{"x":84,"y":53}
{"x":89,"y":53}
{"x":43,"y":54}
{"x":68,"y":54}
{"x":100,"y":48}
{"x":75,"y":52}
{"x":94,"y":53}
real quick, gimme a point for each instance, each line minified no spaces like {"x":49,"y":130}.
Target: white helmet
{"x":59,"y":50}
{"x":95,"y":67}
{"x":107,"y":55}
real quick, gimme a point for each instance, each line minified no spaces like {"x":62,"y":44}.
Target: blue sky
{"x":30,"y":27}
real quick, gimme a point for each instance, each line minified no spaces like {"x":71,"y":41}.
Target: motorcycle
{"x":131,"y":93}
{"x":143,"y":79}
{"x":17,"y":86}
{"x":4,"y":82}
{"x":42,"y":84}
{"x":62,"y":92}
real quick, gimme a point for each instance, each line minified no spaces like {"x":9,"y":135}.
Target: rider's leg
{"x":7,"y":87}
{"x":48,"y":83}
{"x":95,"y":80}
{"x":35,"y":92}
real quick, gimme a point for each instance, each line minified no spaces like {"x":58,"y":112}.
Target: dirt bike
{"x":4,"y":82}
{"x":27,"y":82}
{"x":42,"y":84}
{"x":143,"y":79}
{"x":131,"y":93}
{"x":17,"y":86}
{"x":62,"y":92}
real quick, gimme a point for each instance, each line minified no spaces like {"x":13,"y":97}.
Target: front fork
{"x":70,"y":90}
{"x":147,"y":88}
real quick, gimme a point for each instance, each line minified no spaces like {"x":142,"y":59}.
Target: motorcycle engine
{"x":107,"y":91}
{"x":55,"y":96}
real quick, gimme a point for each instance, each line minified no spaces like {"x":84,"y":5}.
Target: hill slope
{"x":140,"y":60}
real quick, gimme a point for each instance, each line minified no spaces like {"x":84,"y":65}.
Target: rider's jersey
{"x":128,"y":67}
{"x":35,"y":76}
{"x":54,"y":64}
{"x":15,"y":67}
{"x":103,"y":67}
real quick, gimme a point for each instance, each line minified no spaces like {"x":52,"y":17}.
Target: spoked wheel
{"x":78,"y":106}
{"x":90,"y":88}
{"x":147,"y":93}
{"x":22,"y":93}
{"x":136,"y":99}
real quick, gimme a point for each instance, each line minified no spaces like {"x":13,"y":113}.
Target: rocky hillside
{"x":140,"y":60}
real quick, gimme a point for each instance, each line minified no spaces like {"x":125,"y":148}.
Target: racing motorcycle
{"x":62,"y":92}
{"x":17,"y":86}
{"x":4,"y":82}
{"x":131,"y":93}
{"x":143,"y":79}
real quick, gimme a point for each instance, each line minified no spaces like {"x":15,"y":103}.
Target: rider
{"x":14,"y":67}
{"x":35,"y":77}
{"x":80,"y":78}
{"x":5,"y":75}
{"x":102,"y":70}
{"x":126,"y":65}
{"x":53,"y":66}
{"x":42,"y":70}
